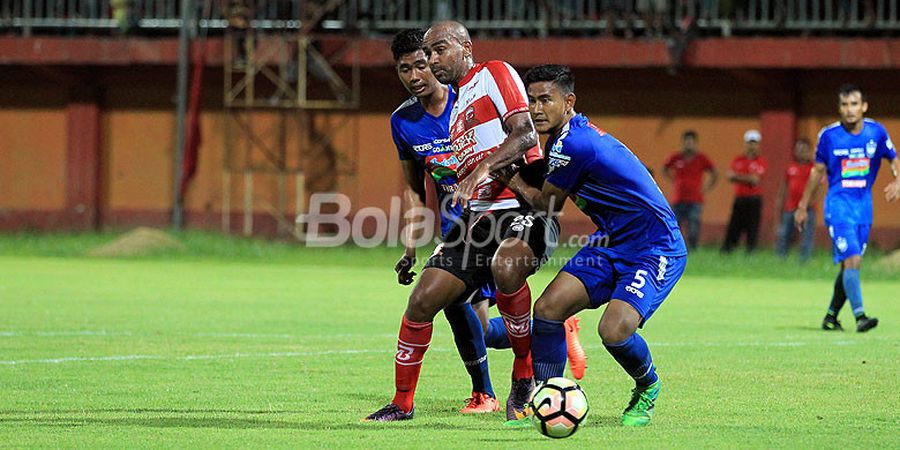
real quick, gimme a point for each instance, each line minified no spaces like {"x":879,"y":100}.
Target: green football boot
{"x":640,"y":409}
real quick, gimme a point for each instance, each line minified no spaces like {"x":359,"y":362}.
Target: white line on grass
{"x":102,"y":333}
{"x":68,"y":359}
{"x":63,"y":333}
{"x":189,"y":357}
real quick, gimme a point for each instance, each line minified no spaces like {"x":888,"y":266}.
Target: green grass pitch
{"x":237,"y":344}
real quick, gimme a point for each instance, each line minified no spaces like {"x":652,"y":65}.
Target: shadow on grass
{"x":809,"y":328}
{"x":603,"y":421}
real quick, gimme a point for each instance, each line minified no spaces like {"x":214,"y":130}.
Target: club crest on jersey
{"x":470,"y":117}
{"x":871,"y":146}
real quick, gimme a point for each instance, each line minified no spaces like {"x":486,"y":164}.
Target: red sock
{"x":411,"y":347}
{"x":516,"y":311}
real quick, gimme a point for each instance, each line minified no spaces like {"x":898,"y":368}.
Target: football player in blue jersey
{"x":631,"y":262}
{"x":849,"y":153}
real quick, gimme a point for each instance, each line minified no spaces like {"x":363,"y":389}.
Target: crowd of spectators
{"x":692,"y":175}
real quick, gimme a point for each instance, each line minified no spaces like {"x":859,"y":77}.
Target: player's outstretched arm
{"x":892,"y":190}
{"x":413,"y":199}
{"x":521,"y":137}
{"x":815,"y":178}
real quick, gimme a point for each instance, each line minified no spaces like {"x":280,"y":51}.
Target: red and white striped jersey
{"x":490,"y":93}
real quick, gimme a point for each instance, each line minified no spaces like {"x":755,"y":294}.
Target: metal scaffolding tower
{"x":281,"y":92}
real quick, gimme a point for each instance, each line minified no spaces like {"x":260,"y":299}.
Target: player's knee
{"x":614,"y":329}
{"x":853,"y":262}
{"x":508,"y":275}
{"x":420,"y":307}
{"x":546,"y":309}
{"x":511,"y":267}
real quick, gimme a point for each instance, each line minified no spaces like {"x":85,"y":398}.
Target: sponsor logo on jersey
{"x":421,"y":148}
{"x":853,"y":183}
{"x":841,"y":152}
{"x":854,"y":167}
{"x":464,"y":142}
{"x":557,"y":158}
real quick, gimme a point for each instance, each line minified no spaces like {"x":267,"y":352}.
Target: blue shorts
{"x":848,"y":240}
{"x":643,"y":281}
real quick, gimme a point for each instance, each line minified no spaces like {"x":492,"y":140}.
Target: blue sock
{"x":634,"y":356}
{"x":548,"y":349}
{"x":469,"y":339}
{"x":496,"y":337}
{"x":854,"y":291}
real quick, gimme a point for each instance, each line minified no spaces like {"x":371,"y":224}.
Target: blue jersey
{"x":852,"y":162}
{"x":613,"y":187}
{"x":424,"y":138}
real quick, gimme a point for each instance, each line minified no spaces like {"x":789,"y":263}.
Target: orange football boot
{"x":577,"y":358}
{"x":480,"y":403}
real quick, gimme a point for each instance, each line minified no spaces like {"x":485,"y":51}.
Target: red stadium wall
{"x":54,"y":176}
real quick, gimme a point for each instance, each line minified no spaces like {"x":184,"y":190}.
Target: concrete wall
{"x":647,"y":109}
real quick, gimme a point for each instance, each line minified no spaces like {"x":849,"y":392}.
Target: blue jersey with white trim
{"x":614,"y":188}
{"x":424,"y":138}
{"x":852,"y":162}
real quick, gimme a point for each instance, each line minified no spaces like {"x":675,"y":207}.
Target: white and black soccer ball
{"x":559,"y":407}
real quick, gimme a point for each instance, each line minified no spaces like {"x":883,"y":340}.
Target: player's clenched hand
{"x":405,"y":275}
{"x":467,"y":187}
{"x":800,"y":216}
{"x":892,"y":191}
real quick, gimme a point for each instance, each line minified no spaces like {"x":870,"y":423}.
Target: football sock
{"x":496,"y":337}
{"x":515,"y":309}
{"x":839,"y":297}
{"x":548,"y":348}
{"x":469,"y":339}
{"x":854,"y":291}
{"x":411,"y":346}
{"x":634,"y":356}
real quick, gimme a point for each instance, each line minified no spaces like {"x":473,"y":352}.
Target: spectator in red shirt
{"x":795,"y":177}
{"x":746,"y":173}
{"x":686,"y":170}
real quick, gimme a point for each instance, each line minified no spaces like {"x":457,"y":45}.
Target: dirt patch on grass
{"x":141,"y":241}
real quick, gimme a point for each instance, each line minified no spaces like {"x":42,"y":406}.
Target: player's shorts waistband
{"x":483,"y":205}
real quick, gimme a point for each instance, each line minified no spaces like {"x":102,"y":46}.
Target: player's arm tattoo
{"x":521,"y":136}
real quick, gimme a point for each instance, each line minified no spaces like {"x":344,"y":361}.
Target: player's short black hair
{"x":407,"y":41}
{"x":850,"y":88}
{"x":559,"y":75}
{"x":689,"y":134}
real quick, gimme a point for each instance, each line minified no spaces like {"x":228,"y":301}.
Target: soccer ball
{"x":558,"y":407}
